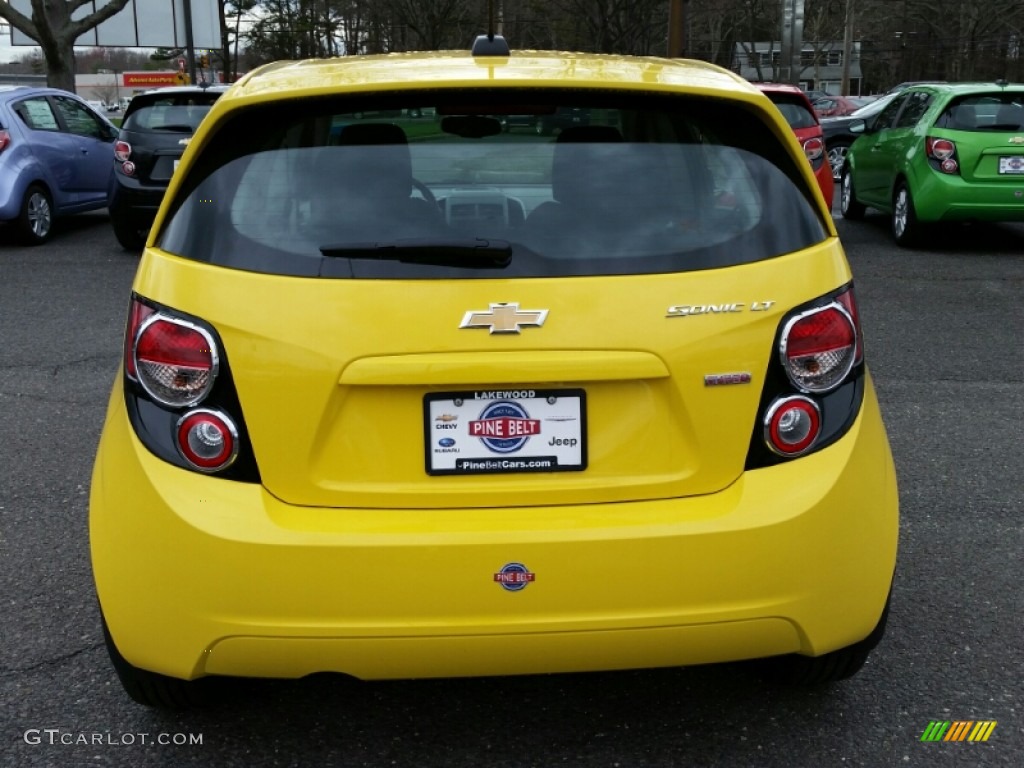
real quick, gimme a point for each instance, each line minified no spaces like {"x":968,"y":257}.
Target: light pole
{"x":844,"y":87}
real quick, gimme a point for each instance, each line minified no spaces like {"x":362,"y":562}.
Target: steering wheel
{"x":424,"y":190}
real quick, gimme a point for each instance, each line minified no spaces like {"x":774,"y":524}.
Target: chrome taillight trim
{"x":214,"y":360}
{"x":767,"y":425}
{"x":228,"y":422}
{"x":784,"y":340}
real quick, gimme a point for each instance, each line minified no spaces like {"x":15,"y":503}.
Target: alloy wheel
{"x":40,"y":217}
{"x":899,"y":213}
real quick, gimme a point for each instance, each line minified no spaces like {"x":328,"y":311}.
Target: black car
{"x":155,"y":130}
{"x":546,"y":124}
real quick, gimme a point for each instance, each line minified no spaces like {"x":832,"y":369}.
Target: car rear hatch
{"x":388,"y":353}
{"x":159,"y":128}
{"x":988,"y":130}
{"x":640,"y":387}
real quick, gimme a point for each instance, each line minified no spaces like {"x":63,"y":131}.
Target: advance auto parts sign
{"x":505,"y":431}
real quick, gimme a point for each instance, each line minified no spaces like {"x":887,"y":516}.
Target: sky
{"x":9,"y":52}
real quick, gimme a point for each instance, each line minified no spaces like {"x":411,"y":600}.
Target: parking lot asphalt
{"x":944,"y":337}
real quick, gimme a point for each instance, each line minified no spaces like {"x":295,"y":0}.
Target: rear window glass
{"x":484,"y":184}
{"x":795,"y":110}
{"x":997,"y":111}
{"x":173,"y":113}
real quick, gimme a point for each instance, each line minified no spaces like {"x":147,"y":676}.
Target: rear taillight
{"x":207,"y":439}
{"x":814,"y":148}
{"x":943,"y":152}
{"x":849,"y":302}
{"x":175,"y":361}
{"x":180,"y":394}
{"x":815,"y":382}
{"x":137,"y":312}
{"x":5,"y":139}
{"x":819,"y":347}
{"x":122,"y":151}
{"x":791,"y":425}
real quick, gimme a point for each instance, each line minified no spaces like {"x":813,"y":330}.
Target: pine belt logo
{"x":958,"y":730}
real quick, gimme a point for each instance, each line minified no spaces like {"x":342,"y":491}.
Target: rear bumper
{"x":202,"y":576}
{"x":130,"y":200}
{"x":950,"y":198}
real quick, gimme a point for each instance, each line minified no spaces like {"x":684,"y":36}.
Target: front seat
{"x":367,"y":179}
{"x":606,"y":194}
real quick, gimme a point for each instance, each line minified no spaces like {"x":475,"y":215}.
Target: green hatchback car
{"x":940,"y":152}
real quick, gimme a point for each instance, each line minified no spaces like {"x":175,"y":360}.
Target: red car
{"x":838,"y":106}
{"x":796,"y":108}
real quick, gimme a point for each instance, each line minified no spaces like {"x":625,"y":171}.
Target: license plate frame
{"x":505,"y":431}
{"x":1011,"y":165}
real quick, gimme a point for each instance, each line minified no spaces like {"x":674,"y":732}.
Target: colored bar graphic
{"x":958,"y":730}
{"x":935,"y":731}
{"x":982,"y":730}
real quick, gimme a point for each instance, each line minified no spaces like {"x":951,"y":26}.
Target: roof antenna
{"x":490,"y":44}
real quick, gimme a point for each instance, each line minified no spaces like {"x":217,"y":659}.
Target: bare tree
{"x":433,"y":24}
{"x":52,"y":26}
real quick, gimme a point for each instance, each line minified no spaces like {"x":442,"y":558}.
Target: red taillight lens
{"x":819,"y":347}
{"x":5,"y":139}
{"x":208,"y":440}
{"x":940,"y":149}
{"x":175,"y":361}
{"x":137,"y":312}
{"x":849,"y":302}
{"x":791,"y":425}
{"x":943,"y":151}
{"x":122,"y":151}
{"x":814,"y":148}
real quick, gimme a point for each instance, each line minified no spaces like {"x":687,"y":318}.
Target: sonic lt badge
{"x":689,"y":310}
{"x":504,"y":318}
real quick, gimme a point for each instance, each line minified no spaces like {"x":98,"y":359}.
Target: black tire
{"x":836,"y":154}
{"x":842,"y":664}
{"x":152,"y":689}
{"x":848,"y":204}
{"x":906,"y":230}
{"x":35,"y":220}
{"x":127,"y":233}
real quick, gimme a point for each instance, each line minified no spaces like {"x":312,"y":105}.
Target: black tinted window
{"x":994,"y":111}
{"x":609,"y":185}
{"x":917,"y":104}
{"x":172,"y":112}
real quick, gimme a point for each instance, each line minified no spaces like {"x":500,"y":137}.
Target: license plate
{"x":1014,"y":164}
{"x":505,"y":431}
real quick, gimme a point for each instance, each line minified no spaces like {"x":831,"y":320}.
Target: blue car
{"x":56,"y":158}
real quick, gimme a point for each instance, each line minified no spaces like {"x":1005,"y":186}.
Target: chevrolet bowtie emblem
{"x":504,"y":318}
{"x":1017,"y":140}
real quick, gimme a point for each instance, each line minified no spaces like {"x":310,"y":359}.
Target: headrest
{"x":585,"y":162}
{"x":372,"y":133}
{"x":372,"y":161}
{"x":1010,"y":114}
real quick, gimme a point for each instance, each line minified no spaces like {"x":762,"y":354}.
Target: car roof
{"x":21,"y":90}
{"x":780,"y":88}
{"x":520,"y":69}
{"x":966,"y":88}
{"x":172,"y":89}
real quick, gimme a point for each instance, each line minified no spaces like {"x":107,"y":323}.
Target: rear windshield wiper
{"x":179,"y":127}
{"x":472,"y":253}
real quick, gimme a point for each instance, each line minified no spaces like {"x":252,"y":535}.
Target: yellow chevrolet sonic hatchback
{"x":406,"y":393}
